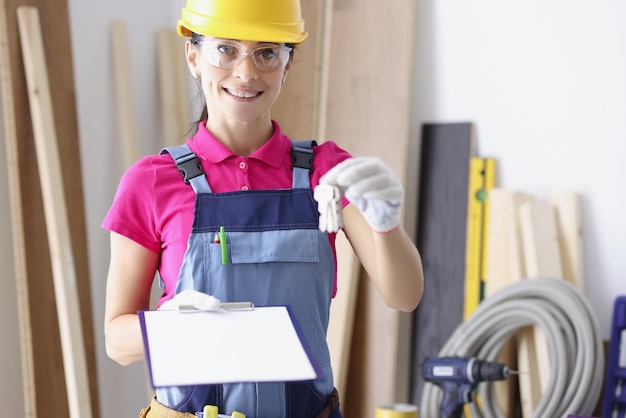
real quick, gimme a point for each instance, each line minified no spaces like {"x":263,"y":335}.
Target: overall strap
{"x":189,"y":166}
{"x":302,"y":163}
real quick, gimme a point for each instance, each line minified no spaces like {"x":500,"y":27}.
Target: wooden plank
{"x":505,"y":266}
{"x":505,"y":262}
{"x":540,"y":239}
{"x":441,"y":228}
{"x":542,"y":259}
{"x":126,"y":110}
{"x":342,"y":313}
{"x":57,"y":222}
{"x":50,"y":388}
{"x":17,"y":225}
{"x":173,"y":89}
{"x":569,"y":224}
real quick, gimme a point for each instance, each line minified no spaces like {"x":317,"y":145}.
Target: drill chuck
{"x":486,"y":371}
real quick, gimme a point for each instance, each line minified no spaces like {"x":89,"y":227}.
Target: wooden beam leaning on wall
{"x":50,"y":389}
{"x":542,"y":259}
{"x":505,"y":266}
{"x":568,"y":209}
{"x":126,"y":109}
{"x":17,"y":223}
{"x":173,"y":90}
{"x":57,"y":221}
{"x":552,"y":240}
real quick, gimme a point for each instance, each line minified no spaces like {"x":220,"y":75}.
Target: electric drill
{"x":458,"y":378}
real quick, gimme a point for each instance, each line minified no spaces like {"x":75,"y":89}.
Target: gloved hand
{"x":372,"y":187}
{"x":191,"y":298}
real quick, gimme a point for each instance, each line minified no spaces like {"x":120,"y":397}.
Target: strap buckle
{"x":302,"y":155}
{"x":190,"y":168}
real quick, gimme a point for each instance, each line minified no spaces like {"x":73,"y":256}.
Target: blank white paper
{"x":259,"y":345}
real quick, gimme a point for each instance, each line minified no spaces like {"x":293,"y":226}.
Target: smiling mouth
{"x":243,"y":94}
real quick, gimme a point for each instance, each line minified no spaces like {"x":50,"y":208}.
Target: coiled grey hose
{"x":572,"y":333}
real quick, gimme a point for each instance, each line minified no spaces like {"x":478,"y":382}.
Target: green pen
{"x":224,"y":246}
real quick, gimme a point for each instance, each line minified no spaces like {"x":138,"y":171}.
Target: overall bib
{"x":276,"y":255}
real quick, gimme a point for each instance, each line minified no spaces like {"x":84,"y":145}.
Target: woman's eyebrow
{"x":259,"y":43}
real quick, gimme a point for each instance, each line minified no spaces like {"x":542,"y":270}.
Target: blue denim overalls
{"x":276,"y":256}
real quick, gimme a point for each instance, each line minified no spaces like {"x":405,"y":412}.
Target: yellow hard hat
{"x":251,"y":20}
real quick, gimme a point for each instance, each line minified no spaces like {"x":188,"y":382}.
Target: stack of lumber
{"x":52,"y":275}
{"x":530,"y":238}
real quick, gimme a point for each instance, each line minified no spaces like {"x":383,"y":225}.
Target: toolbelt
{"x":158,"y":410}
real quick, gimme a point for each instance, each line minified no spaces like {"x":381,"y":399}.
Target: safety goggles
{"x":226,"y":55}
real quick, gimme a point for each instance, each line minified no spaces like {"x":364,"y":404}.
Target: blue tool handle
{"x":454,"y":397}
{"x":614,"y":390}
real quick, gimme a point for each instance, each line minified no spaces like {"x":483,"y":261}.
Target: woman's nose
{"x":245,"y":69}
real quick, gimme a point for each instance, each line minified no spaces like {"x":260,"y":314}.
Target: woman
{"x":240,"y":172}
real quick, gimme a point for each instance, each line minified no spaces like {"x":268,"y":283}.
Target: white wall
{"x":545,"y":84}
{"x":544,"y":81}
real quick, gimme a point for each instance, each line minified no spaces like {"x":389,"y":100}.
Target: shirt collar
{"x":209,"y":148}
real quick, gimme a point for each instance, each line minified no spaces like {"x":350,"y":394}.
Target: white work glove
{"x":372,"y":187}
{"x":191,"y":299}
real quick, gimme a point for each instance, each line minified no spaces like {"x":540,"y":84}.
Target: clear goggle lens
{"x":224,"y":54}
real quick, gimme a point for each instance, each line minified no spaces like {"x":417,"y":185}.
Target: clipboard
{"x":263,"y":344}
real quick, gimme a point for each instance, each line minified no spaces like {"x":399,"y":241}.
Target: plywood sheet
{"x":446,"y":152}
{"x":366,"y":112}
{"x":338,"y":90}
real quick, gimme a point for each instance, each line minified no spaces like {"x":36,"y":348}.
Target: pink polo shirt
{"x":154,"y":207}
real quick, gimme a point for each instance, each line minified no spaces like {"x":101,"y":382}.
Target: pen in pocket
{"x":223,"y":245}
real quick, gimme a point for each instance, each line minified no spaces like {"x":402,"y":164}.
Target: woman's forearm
{"x":124,"y":342}
{"x":391,"y":260}
{"x":130,"y":277}
{"x":399,"y":276}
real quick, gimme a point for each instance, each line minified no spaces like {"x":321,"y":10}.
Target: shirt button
{"x":245,"y":188}
{"x":242,"y":165}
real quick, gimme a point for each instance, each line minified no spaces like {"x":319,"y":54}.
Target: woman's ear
{"x":191,"y":54}
{"x":287,"y":67}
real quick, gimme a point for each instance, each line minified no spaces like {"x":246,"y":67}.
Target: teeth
{"x":242,"y":94}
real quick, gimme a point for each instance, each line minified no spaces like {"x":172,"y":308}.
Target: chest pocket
{"x":273,"y":246}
